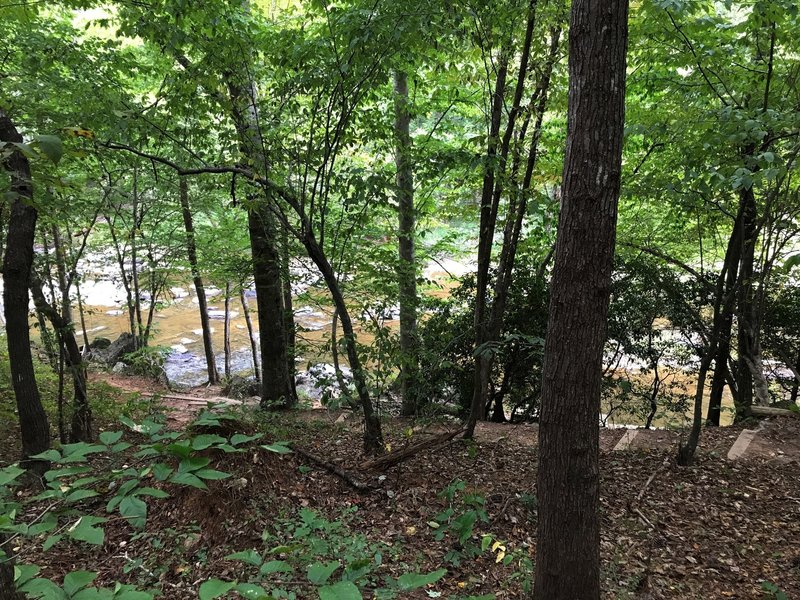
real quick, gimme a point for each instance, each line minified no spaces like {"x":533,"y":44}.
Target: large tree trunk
{"x":276,"y":382}
{"x":406,"y":266}
{"x":276,"y":385}
{"x":199,"y":287}
{"x":17,"y":263}
{"x":568,"y":541}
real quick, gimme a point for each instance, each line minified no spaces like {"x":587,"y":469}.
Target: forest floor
{"x":718,"y":529}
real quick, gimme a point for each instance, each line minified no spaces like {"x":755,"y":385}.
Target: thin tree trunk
{"x":746,"y":335}
{"x":288,"y":311}
{"x":568,"y":485}
{"x":337,"y":370}
{"x":17,"y":263}
{"x":731,"y":269}
{"x":250,"y":334}
{"x":126,"y":280}
{"x":137,"y":295}
{"x":82,"y":316}
{"x":406,"y":266}
{"x":226,"y":330}
{"x":81,"y":426}
{"x":373,"y":437}
{"x":199,"y":287}
{"x":8,"y":591}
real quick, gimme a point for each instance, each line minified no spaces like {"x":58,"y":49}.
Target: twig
{"x":336,"y":470}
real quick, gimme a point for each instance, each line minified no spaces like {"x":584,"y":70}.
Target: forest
{"x":355,"y":299}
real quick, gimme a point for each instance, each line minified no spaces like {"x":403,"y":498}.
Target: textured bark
{"x":199,"y":287}
{"x":730,"y":269}
{"x":276,"y":386}
{"x":17,"y":263}
{"x":276,"y":382}
{"x":568,"y":540}
{"x":406,"y":266}
{"x":747,"y":331}
{"x":288,"y":312}
{"x":8,"y":591}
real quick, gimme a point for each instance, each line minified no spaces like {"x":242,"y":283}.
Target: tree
{"x":568,"y":538}
{"x":17,"y":264}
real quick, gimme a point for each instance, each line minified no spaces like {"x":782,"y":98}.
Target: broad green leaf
{"x":211,"y":474}
{"x":250,"y":557}
{"x":275,"y":566}
{"x":413,"y":581}
{"x":319,"y":573}
{"x":84,"y":530}
{"x":77,"y":580}
{"x":343,"y":590}
{"x":9,"y":474}
{"x":240,"y":438}
{"x":192,"y":463}
{"x":278,"y":448}
{"x":252,"y":591}
{"x":135,"y":510}
{"x":51,"y":146}
{"x":188,"y":479}
{"x":214,"y":588}
{"x":203,"y":441}
{"x":110,"y":438}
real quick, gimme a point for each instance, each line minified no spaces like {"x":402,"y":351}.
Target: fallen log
{"x":770,"y":411}
{"x":336,"y":470}
{"x":398,"y":456}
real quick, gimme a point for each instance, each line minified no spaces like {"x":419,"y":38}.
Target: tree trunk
{"x":746,"y":342}
{"x":406,"y":266}
{"x":568,"y":542}
{"x":137,"y":294}
{"x":250,"y":334}
{"x":731,"y":268}
{"x":226,"y":330}
{"x":276,"y":387}
{"x":373,"y":437}
{"x":81,"y":426}
{"x":17,"y":263}
{"x":199,"y":287}
{"x":8,"y":591}
{"x":288,"y":311}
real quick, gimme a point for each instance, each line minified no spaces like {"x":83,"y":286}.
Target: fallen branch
{"x":336,"y":470}
{"x":398,"y":456}
{"x":769,"y":411}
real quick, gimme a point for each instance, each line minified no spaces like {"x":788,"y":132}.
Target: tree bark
{"x":17,"y":263}
{"x":568,"y":541}
{"x":731,"y":268}
{"x":747,"y":333}
{"x":199,"y":287}
{"x":226,"y":330}
{"x":406,"y":266}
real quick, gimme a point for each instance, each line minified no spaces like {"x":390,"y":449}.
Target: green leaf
{"x":240,"y":438}
{"x":253,"y":591}
{"x":43,"y":588}
{"x":161,"y":471}
{"x":51,"y":146}
{"x":49,"y":455}
{"x":80,"y":495}
{"x":188,"y":479}
{"x":275,"y":566}
{"x":9,"y":474}
{"x":201,"y":442}
{"x":250,"y":557}
{"x":51,"y":541}
{"x":152,"y":492}
{"x":211,"y":474}
{"x":214,"y":588}
{"x":319,"y":573}
{"x":110,"y":437}
{"x":135,"y":510}
{"x":413,"y":581}
{"x":343,"y":590}
{"x":23,"y":573}
{"x":278,"y":448}
{"x":84,"y":530}
{"x":77,"y":580}
{"x":192,"y":463}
